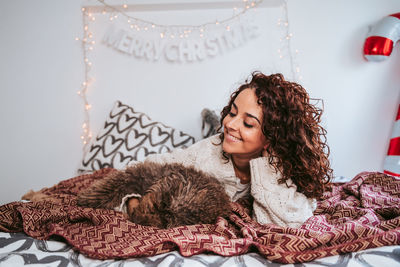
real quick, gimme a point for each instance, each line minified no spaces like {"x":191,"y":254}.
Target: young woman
{"x":272,"y":147}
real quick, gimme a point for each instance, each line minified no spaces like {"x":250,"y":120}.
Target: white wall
{"x":361,"y":98}
{"x":41,"y":70}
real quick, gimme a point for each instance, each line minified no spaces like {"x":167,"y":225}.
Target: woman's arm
{"x":275,"y":203}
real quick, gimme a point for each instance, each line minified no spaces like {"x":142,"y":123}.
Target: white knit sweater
{"x":275,"y":203}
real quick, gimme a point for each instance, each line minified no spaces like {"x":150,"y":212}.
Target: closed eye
{"x":231,"y":114}
{"x":248,"y":125}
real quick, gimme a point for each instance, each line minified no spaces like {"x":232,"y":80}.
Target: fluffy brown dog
{"x":172,"y":194}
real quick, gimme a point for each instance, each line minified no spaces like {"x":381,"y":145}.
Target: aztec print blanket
{"x":363,"y":213}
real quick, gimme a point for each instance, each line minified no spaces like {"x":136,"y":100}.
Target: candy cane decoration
{"x":377,"y":47}
{"x":379,"y":44}
{"x":392,"y":161}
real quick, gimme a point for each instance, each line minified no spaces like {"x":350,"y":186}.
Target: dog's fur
{"x":172,"y":194}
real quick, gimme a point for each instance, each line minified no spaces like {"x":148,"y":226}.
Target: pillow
{"x":210,"y":123}
{"x":128,"y":135}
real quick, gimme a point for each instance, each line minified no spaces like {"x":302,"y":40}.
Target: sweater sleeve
{"x":186,"y":156}
{"x":276,"y":203}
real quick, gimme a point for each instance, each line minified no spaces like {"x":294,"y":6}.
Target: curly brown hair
{"x":297,"y":145}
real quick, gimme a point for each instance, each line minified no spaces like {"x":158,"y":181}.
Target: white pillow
{"x":129,"y":135}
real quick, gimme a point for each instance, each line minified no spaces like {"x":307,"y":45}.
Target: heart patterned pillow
{"x":128,"y":135}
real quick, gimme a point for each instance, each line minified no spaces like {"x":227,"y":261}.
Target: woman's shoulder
{"x":209,"y":158}
{"x":209,"y":143}
{"x":203,"y":149}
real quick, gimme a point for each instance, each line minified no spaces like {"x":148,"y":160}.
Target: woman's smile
{"x":231,"y":138}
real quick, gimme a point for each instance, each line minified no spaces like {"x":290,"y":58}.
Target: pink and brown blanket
{"x":363,"y":213}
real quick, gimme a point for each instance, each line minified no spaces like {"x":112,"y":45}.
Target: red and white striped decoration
{"x":379,"y":44}
{"x":392,"y":161}
{"x":377,"y":47}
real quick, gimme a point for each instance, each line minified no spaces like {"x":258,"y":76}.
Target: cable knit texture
{"x":275,"y":203}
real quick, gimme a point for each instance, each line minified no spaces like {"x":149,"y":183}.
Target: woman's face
{"x":243,"y":136}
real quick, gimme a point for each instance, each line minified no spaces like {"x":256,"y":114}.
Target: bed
{"x":356,"y":224}
{"x":17,"y":249}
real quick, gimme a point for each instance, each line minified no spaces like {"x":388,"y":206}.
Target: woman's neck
{"x":242,"y":169}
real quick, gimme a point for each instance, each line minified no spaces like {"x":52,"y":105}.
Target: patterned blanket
{"x":363,"y":213}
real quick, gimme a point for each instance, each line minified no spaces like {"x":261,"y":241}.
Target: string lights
{"x":166,"y":32}
{"x":177,"y":31}
{"x":87,"y":43}
{"x":286,"y":45}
